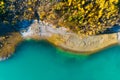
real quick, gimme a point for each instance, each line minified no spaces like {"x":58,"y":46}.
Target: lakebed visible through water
{"x":39,"y":60}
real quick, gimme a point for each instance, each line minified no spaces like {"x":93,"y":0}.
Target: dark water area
{"x":39,"y":60}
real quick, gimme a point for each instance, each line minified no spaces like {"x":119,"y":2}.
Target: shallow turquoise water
{"x":40,"y":61}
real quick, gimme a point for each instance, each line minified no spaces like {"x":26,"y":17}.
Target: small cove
{"x":39,"y":60}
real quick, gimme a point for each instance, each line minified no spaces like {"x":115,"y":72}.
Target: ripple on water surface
{"x":38,"y":60}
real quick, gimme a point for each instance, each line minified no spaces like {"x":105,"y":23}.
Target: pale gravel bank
{"x":67,"y":40}
{"x":60,"y":37}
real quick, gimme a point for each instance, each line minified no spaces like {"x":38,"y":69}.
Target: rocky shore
{"x":68,"y":40}
{"x":50,"y":29}
{"x":58,"y":36}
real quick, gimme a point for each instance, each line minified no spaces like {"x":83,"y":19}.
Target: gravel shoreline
{"x":67,"y":40}
{"x":60,"y":37}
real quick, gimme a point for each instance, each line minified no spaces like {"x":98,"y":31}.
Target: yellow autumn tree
{"x":1,"y":6}
{"x":88,"y":16}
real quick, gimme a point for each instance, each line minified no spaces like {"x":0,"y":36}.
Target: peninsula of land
{"x":81,"y":26}
{"x":60,"y":37}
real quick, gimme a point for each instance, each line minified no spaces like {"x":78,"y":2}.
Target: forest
{"x":87,"y":17}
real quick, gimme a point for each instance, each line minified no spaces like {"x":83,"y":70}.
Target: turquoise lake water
{"x":39,"y":60}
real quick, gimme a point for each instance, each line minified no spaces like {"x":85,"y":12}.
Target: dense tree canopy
{"x":82,"y":16}
{"x":1,"y":6}
{"x":88,"y":16}
{"x":16,"y":10}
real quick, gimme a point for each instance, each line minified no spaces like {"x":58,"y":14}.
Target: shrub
{"x":1,"y":6}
